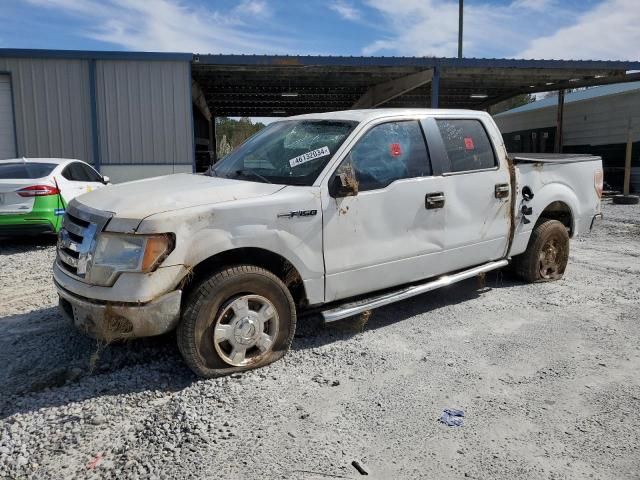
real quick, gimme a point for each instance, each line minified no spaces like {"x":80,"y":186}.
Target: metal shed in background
{"x":598,"y":121}
{"x":129,"y":114}
{"x":136,"y":115}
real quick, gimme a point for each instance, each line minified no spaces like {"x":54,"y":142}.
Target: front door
{"x":392,"y":231}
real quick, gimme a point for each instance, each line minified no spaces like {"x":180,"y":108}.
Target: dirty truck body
{"x":335,"y":213}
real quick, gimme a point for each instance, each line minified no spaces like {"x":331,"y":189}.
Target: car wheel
{"x":238,"y":319}
{"x":547,"y":254}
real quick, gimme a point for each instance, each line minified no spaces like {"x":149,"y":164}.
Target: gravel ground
{"x":547,"y":375}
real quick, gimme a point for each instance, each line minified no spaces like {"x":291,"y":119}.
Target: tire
{"x":240,"y":318}
{"x":547,"y":254}
{"x":626,"y":199}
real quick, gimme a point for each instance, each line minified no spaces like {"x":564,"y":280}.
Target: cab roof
{"x":367,"y":115}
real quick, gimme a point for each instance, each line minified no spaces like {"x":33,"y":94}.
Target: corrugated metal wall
{"x":144,"y":112}
{"x":51,"y":107}
{"x":598,"y":121}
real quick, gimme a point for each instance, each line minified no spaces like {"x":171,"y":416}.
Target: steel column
{"x":97,"y":161}
{"x":559,"y":122}
{"x":460,"y":25}
{"x":435,"y":87}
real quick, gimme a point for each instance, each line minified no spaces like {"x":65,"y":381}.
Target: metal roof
{"x":257,"y":85}
{"x":93,"y":54}
{"x":282,"y":85}
{"x":590,"y":93}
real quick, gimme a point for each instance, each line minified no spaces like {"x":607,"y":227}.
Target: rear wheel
{"x":547,"y":254}
{"x":239,"y":318}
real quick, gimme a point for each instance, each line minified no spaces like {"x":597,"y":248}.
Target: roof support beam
{"x":200,"y":100}
{"x":384,"y":92}
{"x":587,"y":82}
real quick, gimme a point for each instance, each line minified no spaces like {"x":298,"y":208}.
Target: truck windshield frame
{"x":288,"y":152}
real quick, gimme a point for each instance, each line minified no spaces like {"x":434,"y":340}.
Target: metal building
{"x":128,"y":114}
{"x":135,"y":115}
{"x":598,"y":120}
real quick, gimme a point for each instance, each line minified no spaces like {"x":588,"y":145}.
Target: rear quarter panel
{"x":570,"y":183}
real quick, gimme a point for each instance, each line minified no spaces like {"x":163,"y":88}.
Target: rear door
{"x":476,"y":187}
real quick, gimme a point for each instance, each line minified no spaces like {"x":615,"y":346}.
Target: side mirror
{"x":106,"y":180}
{"x":343,"y":185}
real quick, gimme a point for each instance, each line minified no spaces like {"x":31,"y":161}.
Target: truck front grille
{"x":77,"y":237}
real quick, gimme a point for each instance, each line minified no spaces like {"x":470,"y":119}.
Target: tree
{"x":231,"y":132}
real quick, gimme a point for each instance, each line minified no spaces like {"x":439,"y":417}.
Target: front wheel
{"x":547,"y":254}
{"x":240,"y":318}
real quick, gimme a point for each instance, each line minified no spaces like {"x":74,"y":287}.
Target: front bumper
{"x":117,"y":321}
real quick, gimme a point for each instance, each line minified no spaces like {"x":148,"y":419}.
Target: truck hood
{"x":139,"y":199}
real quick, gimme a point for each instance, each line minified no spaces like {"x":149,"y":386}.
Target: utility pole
{"x":460,"y":22}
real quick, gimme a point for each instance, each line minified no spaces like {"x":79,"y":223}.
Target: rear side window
{"x":25,"y":170}
{"x":467,"y":144}
{"x":79,"y":172}
{"x":389,"y":152}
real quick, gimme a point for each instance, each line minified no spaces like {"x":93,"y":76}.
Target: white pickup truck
{"x":336,"y":213}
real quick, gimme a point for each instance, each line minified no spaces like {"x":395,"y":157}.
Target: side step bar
{"x":354,"y":308}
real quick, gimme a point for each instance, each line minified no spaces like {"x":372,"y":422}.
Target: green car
{"x":34,"y":192}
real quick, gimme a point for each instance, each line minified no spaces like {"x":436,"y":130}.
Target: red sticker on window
{"x":468,"y":143}
{"x":396,"y":151}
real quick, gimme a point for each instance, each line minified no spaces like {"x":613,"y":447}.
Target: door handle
{"x":434,"y":200}
{"x":502,"y":190}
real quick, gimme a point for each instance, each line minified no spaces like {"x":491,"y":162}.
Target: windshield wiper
{"x":246,"y":171}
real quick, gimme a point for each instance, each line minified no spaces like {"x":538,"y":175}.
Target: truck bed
{"x":552,"y":157}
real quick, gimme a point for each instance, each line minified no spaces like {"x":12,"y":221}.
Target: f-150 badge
{"x":298,"y":213}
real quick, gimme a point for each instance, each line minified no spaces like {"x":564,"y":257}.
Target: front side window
{"x":389,"y":152}
{"x":90,"y":174}
{"x":290,"y":152}
{"x":467,"y":144}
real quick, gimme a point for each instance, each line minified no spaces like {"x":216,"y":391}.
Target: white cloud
{"x":171,"y":25}
{"x":537,"y":5}
{"x":253,"y":7}
{"x":610,"y":31}
{"x":345,"y":10}
{"x":522,"y":28}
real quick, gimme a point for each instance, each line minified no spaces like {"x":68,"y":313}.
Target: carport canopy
{"x":272,"y":86}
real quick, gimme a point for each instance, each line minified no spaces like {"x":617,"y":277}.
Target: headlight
{"x":116,"y":253}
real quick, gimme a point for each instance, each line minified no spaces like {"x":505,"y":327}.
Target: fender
{"x":544,"y":195}
{"x":206,"y":231}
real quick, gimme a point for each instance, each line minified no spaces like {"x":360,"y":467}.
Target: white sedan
{"x":34,"y":192}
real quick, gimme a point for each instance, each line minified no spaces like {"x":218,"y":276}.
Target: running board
{"x":354,"y":308}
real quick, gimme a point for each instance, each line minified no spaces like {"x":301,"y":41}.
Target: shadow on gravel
{"x":13,"y":245}
{"x":44,"y":362}
{"x":311,"y":333}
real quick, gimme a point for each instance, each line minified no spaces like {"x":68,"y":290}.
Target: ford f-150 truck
{"x":335,"y":213}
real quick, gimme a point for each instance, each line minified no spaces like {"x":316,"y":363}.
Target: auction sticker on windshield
{"x":307,"y":157}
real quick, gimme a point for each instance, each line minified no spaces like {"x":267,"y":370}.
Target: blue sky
{"x":578,"y":29}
